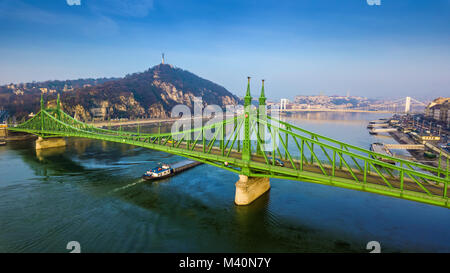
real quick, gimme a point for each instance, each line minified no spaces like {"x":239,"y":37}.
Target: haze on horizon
{"x":304,"y":47}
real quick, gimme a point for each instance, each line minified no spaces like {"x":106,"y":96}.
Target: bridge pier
{"x":52,"y":142}
{"x":248,"y":189}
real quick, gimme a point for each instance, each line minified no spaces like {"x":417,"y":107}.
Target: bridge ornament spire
{"x":248,"y":96}
{"x":246,"y":145}
{"x":42,"y":102}
{"x":262,"y":112}
{"x":262,"y":97}
{"x":58,"y":103}
{"x":58,"y":107}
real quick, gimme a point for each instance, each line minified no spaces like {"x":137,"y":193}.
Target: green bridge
{"x":240,"y":144}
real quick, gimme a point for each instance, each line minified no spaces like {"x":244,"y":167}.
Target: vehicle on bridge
{"x":278,"y":162}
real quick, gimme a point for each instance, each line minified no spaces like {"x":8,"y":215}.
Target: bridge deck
{"x":371,"y":177}
{"x":407,"y":180}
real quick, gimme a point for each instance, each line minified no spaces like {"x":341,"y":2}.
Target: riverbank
{"x":143,"y":121}
{"x":131,"y":122}
{"x":417,"y":155}
{"x":18,"y":136}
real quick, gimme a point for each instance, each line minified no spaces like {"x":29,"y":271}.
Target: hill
{"x":151,"y":93}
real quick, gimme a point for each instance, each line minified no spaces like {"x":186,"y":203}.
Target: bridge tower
{"x":42,"y":114}
{"x":51,"y":142}
{"x":283,"y":103}
{"x":249,"y":188}
{"x":262,"y":112}
{"x":408,"y":105}
{"x":58,"y":107}
{"x":246,"y":145}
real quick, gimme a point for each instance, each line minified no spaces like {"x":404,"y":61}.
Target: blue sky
{"x":399,"y":48}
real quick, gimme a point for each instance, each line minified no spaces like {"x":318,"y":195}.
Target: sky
{"x":304,"y":47}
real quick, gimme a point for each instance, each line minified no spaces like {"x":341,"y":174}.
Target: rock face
{"x":152,"y":93}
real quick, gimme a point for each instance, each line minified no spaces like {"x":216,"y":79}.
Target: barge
{"x":166,"y":170}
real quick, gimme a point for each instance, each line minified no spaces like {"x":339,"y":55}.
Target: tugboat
{"x":166,"y":170}
{"x":162,"y":171}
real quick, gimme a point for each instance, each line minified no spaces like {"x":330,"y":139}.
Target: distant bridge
{"x":236,"y":146}
{"x":336,"y":110}
{"x":394,"y":107}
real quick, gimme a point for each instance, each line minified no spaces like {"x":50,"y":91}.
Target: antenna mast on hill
{"x":162,"y":59}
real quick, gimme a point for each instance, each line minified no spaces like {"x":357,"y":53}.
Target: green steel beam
{"x":54,"y":122}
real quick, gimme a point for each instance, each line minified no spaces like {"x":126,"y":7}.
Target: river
{"x":91,"y":192}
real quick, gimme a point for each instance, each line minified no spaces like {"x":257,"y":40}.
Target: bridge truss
{"x":258,"y":145}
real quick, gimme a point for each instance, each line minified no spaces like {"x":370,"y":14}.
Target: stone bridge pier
{"x":51,"y":142}
{"x":248,"y":189}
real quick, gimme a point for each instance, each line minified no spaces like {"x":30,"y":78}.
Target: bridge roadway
{"x":310,"y":172}
{"x":340,"y":175}
{"x":384,"y":179}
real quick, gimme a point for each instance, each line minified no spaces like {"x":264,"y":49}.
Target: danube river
{"x":91,"y":192}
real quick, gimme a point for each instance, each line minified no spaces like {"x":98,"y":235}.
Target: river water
{"x":91,"y":192}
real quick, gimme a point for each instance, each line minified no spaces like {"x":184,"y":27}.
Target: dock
{"x":381,"y":149}
{"x":374,"y":125}
{"x":379,"y":121}
{"x":418,"y":154}
{"x":405,"y":146}
{"x":381,"y":130}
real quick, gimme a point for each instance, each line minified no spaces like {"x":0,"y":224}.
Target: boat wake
{"x":128,"y":186}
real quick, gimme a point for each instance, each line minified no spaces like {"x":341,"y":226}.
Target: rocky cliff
{"x":152,"y":93}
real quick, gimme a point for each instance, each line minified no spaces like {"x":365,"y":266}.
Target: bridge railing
{"x":360,"y":150}
{"x":360,"y":164}
{"x":303,"y":153}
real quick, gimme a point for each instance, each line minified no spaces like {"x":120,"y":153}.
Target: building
{"x":331,"y":102}
{"x":439,"y":111}
{"x":69,"y":88}
{"x":18,"y":92}
{"x":98,"y":113}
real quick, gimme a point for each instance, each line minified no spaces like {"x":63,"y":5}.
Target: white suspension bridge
{"x":402,"y":105}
